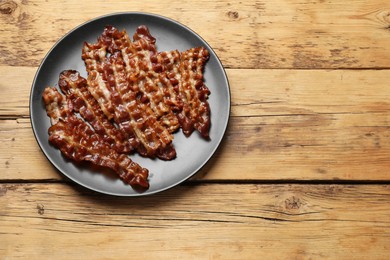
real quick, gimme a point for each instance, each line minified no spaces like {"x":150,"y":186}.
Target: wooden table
{"x":302,"y":173}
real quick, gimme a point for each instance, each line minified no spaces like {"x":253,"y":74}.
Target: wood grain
{"x":197,"y":222}
{"x":15,"y":90}
{"x":20,"y":156}
{"x":245,"y":34}
{"x":279,"y":92}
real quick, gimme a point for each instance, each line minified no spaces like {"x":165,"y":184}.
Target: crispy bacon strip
{"x":81,"y":100}
{"x":150,"y":132}
{"x":145,"y":74}
{"x":77,"y":141}
{"x":108,"y":84}
{"x":169,"y":61}
{"x":56,"y":105}
{"x":106,"y":95}
{"x":193,"y":91}
{"x":165,"y":79}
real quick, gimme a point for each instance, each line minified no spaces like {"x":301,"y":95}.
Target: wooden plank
{"x":289,"y":147}
{"x":20,"y":155}
{"x":308,"y":92}
{"x":258,"y":92}
{"x":314,"y":147}
{"x":15,"y":90}
{"x":58,"y":221}
{"x":245,"y":34}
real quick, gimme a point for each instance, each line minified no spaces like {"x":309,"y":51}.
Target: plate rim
{"x":136,"y":194}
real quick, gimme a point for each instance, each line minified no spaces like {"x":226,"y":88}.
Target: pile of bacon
{"x":133,"y":100}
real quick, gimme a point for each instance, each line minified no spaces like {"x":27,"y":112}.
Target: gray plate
{"x":192,"y":153}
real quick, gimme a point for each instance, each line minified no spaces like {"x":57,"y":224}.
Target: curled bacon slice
{"x":167,"y":81}
{"x":145,"y":74}
{"x":81,"y":100}
{"x":193,"y":92}
{"x":77,"y":141}
{"x":108,"y":84}
{"x":56,"y":105}
{"x":153,"y":135}
{"x":169,"y":62}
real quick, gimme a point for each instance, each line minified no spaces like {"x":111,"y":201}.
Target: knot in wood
{"x":233,"y":15}
{"x":41,"y":209}
{"x":386,"y":16}
{"x":383,"y":16}
{"x":293,"y":203}
{"x":8,"y":7}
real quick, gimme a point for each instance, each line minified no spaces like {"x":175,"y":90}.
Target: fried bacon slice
{"x":169,"y":83}
{"x":77,"y":141}
{"x":166,"y":79}
{"x":75,"y":88}
{"x":193,"y":92}
{"x":145,"y":74}
{"x":108,"y":84}
{"x":56,"y":105}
